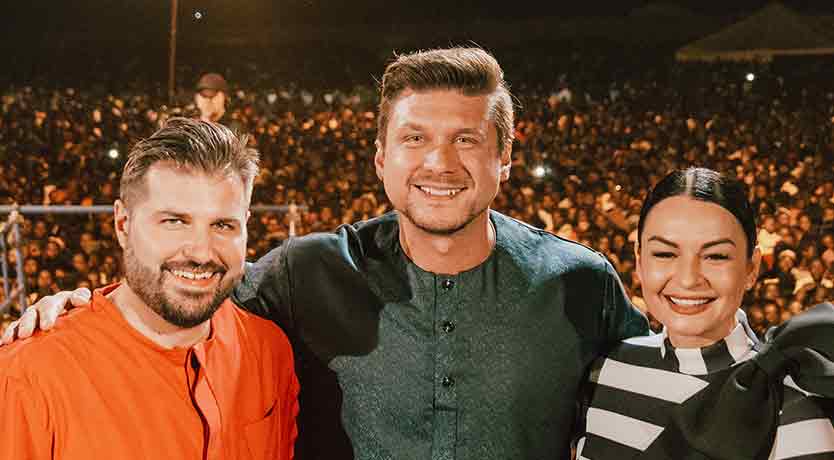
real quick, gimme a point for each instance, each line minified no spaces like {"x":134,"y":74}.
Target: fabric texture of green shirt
{"x":399,"y":363}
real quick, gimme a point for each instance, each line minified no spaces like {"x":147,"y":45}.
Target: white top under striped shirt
{"x":632,"y":390}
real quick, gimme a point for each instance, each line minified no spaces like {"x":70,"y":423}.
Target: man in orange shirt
{"x":163,"y":365}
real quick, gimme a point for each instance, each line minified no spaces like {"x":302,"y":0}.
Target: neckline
{"x":737,"y":347}
{"x":392,"y":240}
{"x":101,"y":302}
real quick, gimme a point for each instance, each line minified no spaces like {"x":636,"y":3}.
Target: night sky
{"x":103,"y":17}
{"x":52,"y":38}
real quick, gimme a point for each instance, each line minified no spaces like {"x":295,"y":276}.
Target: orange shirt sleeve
{"x":274,"y":437}
{"x":25,"y":432}
{"x":287,"y":388}
{"x":290,"y":412}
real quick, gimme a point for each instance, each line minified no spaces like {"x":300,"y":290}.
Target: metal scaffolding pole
{"x":12,"y":226}
{"x":74,"y":209}
{"x":172,"y":54}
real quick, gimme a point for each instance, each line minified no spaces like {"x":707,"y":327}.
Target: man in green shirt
{"x":443,"y":330}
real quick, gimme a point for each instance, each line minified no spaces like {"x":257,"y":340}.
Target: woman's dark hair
{"x":705,"y":185}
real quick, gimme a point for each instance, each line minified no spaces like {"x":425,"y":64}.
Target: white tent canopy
{"x":773,"y":31}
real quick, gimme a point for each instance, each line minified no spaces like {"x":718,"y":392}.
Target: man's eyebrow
{"x":228,"y":220}
{"x":471,"y":131}
{"x":172,"y":213}
{"x":410,"y":126}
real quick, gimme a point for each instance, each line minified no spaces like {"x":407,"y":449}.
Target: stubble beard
{"x":422,"y":220}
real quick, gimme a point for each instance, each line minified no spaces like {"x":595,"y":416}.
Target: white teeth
{"x":192,"y":275}
{"x":440,"y":191}
{"x":689,"y":302}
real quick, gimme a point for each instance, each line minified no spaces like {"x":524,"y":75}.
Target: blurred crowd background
{"x":594,"y":130}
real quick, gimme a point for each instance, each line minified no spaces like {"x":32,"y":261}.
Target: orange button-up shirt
{"x":94,"y":387}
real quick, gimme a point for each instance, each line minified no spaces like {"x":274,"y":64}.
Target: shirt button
{"x":447,"y":382}
{"x":448,"y":326}
{"x":448,"y":284}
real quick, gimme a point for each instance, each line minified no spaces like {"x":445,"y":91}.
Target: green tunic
{"x":481,"y":365}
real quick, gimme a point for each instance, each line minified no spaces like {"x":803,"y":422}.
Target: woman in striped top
{"x":705,"y":388}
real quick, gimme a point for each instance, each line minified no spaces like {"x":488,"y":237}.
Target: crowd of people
{"x":589,"y":144}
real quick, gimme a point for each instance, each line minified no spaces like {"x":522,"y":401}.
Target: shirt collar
{"x":388,"y":238}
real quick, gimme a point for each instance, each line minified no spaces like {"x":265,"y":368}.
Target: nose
{"x":442,"y":158}
{"x":198,"y":247}
{"x":689,"y":272}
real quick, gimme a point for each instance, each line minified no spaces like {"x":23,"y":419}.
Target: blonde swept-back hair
{"x":472,"y":71}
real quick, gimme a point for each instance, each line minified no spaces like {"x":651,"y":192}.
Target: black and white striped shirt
{"x":633,"y":389}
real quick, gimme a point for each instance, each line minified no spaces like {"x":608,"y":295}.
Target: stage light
{"x":539,"y":171}
{"x":750,"y":77}
{"x":198,"y":15}
{"x":113,"y":153}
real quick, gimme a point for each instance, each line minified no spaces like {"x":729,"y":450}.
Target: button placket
{"x":447,"y":284}
{"x":445,"y":388}
{"x":208,"y":406}
{"x":447,"y":324}
{"x":446,"y":309}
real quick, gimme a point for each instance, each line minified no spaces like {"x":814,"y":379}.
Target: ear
{"x":379,"y":160}
{"x":506,"y":161}
{"x":753,"y":269}
{"x":121,"y":217}
{"x":637,"y":261}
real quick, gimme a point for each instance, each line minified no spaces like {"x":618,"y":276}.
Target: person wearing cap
{"x":211,"y":95}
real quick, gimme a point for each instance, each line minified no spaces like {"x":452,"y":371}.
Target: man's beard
{"x":435,"y":228}
{"x":425,"y":219}
{"x":149,"y":287}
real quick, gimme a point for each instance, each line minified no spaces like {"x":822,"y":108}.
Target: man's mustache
{"x":212,"y":267}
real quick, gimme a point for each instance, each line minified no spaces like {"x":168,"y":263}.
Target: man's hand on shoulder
{"x":44,"y":313}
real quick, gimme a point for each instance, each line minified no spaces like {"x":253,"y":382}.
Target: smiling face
{"x":693,"y":265}
{"x":184,"y":242}
{"x":441,"y":165}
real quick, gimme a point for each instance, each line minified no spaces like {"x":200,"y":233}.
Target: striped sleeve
{"x":806,"y":426}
